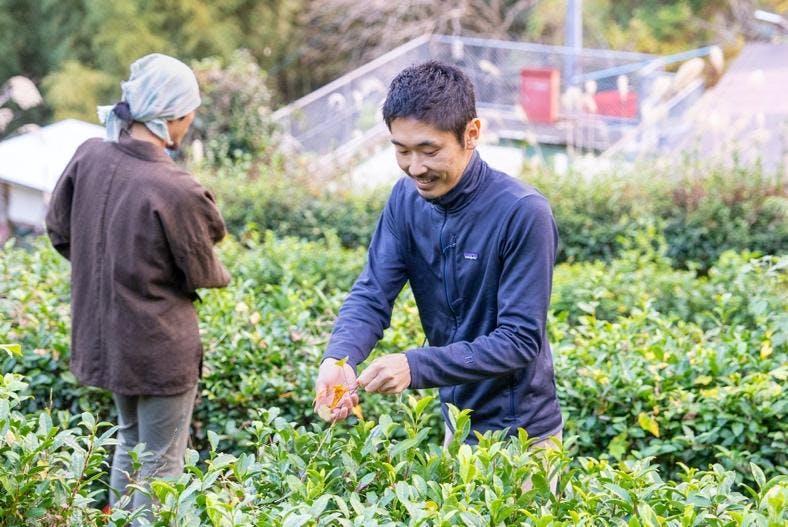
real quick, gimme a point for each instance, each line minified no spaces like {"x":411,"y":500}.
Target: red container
{"x":539,"y":94}
{"x":613,"y":104}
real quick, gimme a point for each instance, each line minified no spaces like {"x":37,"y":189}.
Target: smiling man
{"x":478,"y":249}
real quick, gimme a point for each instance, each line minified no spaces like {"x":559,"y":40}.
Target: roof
{"x":36,"y":159}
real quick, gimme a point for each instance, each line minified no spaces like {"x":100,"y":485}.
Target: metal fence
{"x":601,"y":95}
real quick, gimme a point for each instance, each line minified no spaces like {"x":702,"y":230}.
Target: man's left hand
{"x":388,"y":374}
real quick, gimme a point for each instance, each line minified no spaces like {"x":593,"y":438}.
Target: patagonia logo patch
{"x":471,"y":256}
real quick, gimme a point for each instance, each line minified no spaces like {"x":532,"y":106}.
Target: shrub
{"x":703,"y":210}
{"x":235,"y":115}
{"x":700,"y":211}
{"x":639,"y":347}
{"x":290,"y":202}
{"x":382,"y":472}
{"x":48,"y":463}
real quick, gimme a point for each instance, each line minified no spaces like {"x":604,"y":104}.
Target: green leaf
{"x":15,"y":350}
{"x":88,"y":420}
{"x":620,"y":492}
{"x":295,"y":484}
{"x":355,"y":502}
{"x":648,"y":516}
{"x":403,"y":446}
{"x":161,"y":489}
{"x":213,"y":439}
{"x":757,"y":473}
{"x":648,"y":423}
{"x":191,"y":457}
{"x":296,"y":520}
{"x":319,"y":505}
{"x":422,"y":404}
{"x":365,"y":481}
{"x":222,"y":460}
{"x":618,"y":445}
{"x":737,"y":429}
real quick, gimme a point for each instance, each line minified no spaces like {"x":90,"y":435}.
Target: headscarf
{"x":160,"y":88}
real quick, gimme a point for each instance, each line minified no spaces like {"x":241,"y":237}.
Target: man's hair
{"x":434,"y":93}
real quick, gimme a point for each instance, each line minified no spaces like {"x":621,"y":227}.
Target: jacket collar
{"x":467,"y":187}
{"x":141,"y":149}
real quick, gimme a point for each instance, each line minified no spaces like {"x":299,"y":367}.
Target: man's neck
{"x":140,"y":132}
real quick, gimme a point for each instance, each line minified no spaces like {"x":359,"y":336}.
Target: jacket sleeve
{"x":192,"y":226}
{"x":58,"y":218}
{"x":366,"y":312}
{"x":527,"y":249}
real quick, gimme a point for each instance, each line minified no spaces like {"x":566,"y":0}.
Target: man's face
{"x":432,"y":158}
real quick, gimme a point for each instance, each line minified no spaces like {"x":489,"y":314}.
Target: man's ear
{"x":472,"y":133}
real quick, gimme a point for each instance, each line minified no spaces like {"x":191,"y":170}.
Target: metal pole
{"x":573,"y":38}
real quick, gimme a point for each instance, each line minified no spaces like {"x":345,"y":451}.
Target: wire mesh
{"x":601,"y":95}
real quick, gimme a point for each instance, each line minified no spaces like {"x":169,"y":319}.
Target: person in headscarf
{"x":139,"y":232}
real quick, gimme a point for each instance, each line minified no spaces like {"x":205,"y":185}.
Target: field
{"x":671,"y":382}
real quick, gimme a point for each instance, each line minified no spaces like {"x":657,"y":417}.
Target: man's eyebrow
{"x":420,"y":145}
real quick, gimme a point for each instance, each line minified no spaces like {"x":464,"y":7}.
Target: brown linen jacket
{"x":139,"y":232}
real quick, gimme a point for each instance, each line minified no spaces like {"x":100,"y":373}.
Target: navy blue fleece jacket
{"x":480,"y":263}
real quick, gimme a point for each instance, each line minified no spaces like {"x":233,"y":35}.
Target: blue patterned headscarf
{"x":160,"y":88}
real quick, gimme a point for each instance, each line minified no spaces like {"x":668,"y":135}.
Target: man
{"x":478,"y":248}
{"x":139,"y":232}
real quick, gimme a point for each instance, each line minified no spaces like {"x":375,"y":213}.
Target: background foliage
{"x":701,"y":210}
{"x":80,"y":50}
{"x":669,"y":318}
{"x":658,"y":369}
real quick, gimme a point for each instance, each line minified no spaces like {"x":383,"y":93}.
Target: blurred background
{"x":292,"y":88}
{"x":658,"y":131}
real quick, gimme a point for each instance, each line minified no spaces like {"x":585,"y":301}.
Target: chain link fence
{"x":597,"y":100}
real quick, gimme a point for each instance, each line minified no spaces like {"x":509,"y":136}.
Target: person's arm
{"x":363,"y":317}
{"x":58,"y":218}
{"x":366,"y":312}
{"x":193,"y":225}
{"x":528,"y":252}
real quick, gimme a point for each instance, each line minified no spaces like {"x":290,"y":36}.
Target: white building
{"x":30,"y":165}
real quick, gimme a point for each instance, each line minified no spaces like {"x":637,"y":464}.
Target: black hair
{"x":435,"y":93}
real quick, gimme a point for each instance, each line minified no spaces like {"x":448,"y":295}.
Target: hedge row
{"x":379,"y":472}
{"x":701,"y":211}
{"x":650,"y":360}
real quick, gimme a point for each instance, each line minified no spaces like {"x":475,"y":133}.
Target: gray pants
{"x":162,"y":424}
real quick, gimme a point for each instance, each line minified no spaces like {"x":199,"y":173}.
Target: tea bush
{"x":48,"y":462}
{"x":380,"y":472}
{"x":290,"y":201}
{"x":702,"y":210}
{"x":650,"y":360}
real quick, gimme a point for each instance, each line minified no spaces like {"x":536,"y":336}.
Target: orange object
{"x":539,"y":94}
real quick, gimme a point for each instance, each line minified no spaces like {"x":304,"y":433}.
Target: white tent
{"x":31,"y":163}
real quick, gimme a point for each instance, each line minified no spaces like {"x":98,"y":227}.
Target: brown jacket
{"x":139,"y":232}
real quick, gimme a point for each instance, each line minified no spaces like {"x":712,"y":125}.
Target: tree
{"x":83,"y":48}
{"x":341,"y":34}
{"x":235,"y":115}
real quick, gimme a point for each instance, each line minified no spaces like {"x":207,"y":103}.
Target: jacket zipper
{"x":444,"y":249}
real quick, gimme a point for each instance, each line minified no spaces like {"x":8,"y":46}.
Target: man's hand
{"x":388,"y":374}
{"x":330,"y":376}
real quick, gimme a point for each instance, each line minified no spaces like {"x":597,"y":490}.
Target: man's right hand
{"x":329,"y":376}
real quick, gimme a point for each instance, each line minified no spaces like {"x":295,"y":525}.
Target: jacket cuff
{"x":334,"y":353}
{"x":416,"y":380}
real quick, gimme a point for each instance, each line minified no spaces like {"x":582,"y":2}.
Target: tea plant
{"x":382,"y":472}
